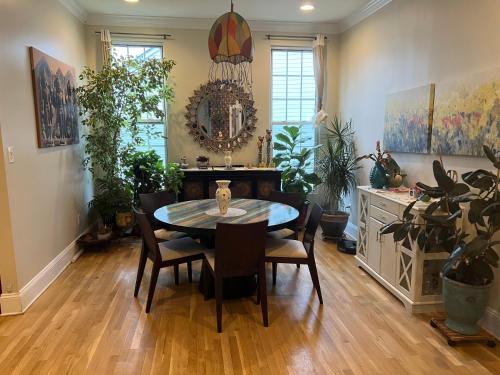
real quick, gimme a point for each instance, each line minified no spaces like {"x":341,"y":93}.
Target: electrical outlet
{"x":10,"y":154}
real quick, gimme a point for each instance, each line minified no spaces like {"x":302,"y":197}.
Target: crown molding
{"x":98,"y":19}
{"x":75,"y":9}
{"x":363,"y":13}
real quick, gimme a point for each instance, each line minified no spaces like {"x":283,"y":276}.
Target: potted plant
{"x":112,"y":101}
{"x":145,"y":172}
{"x":337,"y":166}
{"x":467,"y":274}
{"x":386,"y":172}
{"x":202,"y":162}
{"x":294,"y":164}
{"x":173,"y":178}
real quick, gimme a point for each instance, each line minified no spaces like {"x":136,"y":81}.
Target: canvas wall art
{"x":408,"y":120}
{"x":467,"y":115}
{"x":55,"y":101}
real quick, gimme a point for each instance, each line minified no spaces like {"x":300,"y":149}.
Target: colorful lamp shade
{"x":230,"y":40}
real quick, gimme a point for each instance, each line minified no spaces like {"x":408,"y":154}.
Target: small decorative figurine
{"x":269,"y":138}
{"x":260,"y":143}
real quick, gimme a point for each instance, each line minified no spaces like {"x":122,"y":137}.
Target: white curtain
{"x":106,"y":46}
{"x":319,"y":76}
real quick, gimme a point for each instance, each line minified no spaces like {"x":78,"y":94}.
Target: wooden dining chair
{"x":295,"y":200}
{"x":297,"y":252}
{"x":150,"y":203}
{"x":239,"y":252}
{"x":163,"y":254}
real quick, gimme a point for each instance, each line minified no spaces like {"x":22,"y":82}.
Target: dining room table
{"x":199,"y":218}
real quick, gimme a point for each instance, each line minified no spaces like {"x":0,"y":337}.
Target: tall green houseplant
{"x":112,"y":101}
{"x":294,"y":162}
{"x":468,"y":272}
{"x":337,"y":165}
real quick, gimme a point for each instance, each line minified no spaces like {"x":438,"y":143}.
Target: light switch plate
{"x":10,"y":154}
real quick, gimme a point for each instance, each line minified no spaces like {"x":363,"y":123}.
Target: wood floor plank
{"x":88,"y":322}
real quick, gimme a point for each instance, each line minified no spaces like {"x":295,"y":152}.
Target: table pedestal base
{"x":233,"y":287}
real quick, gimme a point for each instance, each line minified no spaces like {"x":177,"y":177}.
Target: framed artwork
{"x":408,"y":120}
{"x":467,"y":115}
{"x":55,"y":101}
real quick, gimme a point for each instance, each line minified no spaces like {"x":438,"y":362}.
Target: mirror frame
{"x":215,"y":144}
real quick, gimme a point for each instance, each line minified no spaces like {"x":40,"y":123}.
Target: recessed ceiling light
{"x":307,"y":7}
{"x":132,"y":1}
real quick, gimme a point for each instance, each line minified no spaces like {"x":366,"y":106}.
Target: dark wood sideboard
{"x":245,"y":183}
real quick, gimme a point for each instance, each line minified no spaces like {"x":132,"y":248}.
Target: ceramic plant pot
{"x":378,"y":176}
{"x":333,"y":224}
{"x":223,"y":195}
{"x":465,"y":305}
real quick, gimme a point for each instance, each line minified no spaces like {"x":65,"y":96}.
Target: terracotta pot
{"x":124,"y":219}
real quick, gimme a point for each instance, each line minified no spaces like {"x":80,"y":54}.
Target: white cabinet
{"x":402,"y":268}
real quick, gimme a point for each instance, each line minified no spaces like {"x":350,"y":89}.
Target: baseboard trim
{"x":18,"y":303}
{"x":491,"y":322}
{"x":10,"y":304}
{"x":352,"y":230}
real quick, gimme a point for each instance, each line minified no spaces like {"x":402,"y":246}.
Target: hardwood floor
{"x":89,"y":322}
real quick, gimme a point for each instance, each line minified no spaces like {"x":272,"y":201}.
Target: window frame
{"x":127,"y":42}
{"x":300,"y":48}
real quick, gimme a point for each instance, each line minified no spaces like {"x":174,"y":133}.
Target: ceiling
{"x":327,"y":11}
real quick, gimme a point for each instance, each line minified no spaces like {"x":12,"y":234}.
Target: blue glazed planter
{"x":465,"y":305}
{"x":378,"y":176}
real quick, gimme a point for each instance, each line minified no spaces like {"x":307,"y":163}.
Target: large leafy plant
{"x":337,"y":164}
{"x":472,"y":255}
{"x":294,"y":162}
{"x":145,"y":172}
{"x":112,"y":101}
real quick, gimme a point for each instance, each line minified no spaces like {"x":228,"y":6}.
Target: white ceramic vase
{"x":223,"y":195}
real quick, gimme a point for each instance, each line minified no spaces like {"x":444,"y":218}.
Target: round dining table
{"x":200,"y":218}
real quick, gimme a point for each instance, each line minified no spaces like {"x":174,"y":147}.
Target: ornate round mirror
{"x":221,"y":116}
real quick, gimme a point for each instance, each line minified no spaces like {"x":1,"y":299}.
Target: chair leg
{"x":315,"y":279}
{"x":152,"y":287}
{"x":218,"y":302}
{"x":258,"y":289}
{"x":275,"y":271}
{"x":190,"y":271}
{"x":298,"y":265}
{"x":176,"y":274}
{"x":263,"y":296}
{"x":140,"y":270}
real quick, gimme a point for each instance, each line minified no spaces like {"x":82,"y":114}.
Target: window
{"x":293,"y":97}
{"x":154,"y":139}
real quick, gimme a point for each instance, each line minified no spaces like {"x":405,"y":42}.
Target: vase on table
{"x":223,"y":195}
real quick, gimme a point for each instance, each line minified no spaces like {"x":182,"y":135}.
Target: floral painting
{"x":408,"y":120}
{"x":467,"y":115}
{"x":55,"y":102}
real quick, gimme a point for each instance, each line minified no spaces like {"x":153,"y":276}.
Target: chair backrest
{"x":239,"y":248}
{"x":148,"y":236}
{"x":152,"y":201}
{"x":295,"y":200}
{"x":312,"y":225}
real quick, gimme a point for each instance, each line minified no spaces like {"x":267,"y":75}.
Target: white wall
{"x":189,"y":48}
{"x":47,"y":189}
{"x":409,"y":44}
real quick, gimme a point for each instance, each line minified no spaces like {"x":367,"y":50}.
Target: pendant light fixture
{"x":231,"y":48}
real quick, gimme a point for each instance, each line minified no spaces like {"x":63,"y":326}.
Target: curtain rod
{"x":164,"y":36}
{"x":295,"y":37}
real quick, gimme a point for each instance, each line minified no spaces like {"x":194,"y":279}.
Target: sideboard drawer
{"x":385,"y":204}
{"x":382,"y":215}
